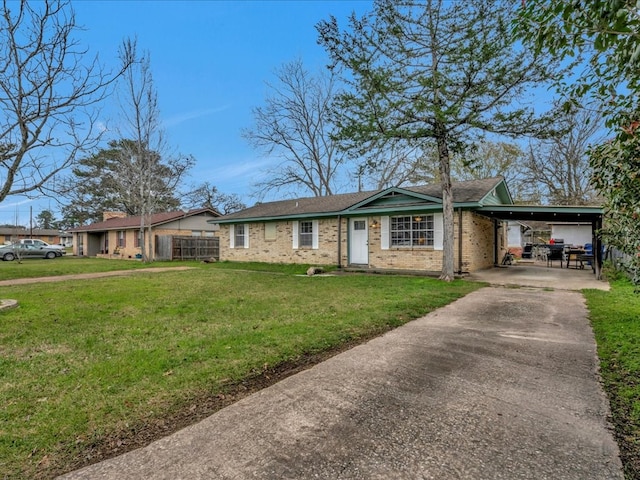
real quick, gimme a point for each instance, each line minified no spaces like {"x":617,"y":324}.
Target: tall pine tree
{"x":435,"y":72}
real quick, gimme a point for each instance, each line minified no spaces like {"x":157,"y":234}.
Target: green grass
{"x":82,"y":361}
{"x":615,"y":316}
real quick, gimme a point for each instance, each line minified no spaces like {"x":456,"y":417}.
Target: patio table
{"x":575,"y":255}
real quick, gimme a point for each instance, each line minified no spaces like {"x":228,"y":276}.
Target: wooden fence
{"x":187,"y":248}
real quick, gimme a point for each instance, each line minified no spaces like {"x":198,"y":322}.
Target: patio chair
{"x":555,"y":253}
{"x":542,"y":253}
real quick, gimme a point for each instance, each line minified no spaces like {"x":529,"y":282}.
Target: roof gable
{"x":395,"y":197}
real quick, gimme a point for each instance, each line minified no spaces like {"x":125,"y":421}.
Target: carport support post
{"x":597,"y":247}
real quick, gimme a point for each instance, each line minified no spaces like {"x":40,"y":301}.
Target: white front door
{"x":359,"y":245}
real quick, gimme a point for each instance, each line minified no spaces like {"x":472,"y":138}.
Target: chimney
{"x":109,"y":215}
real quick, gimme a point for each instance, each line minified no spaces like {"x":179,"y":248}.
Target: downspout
{"x":339,"y":241}
{"x":495,"y":242}
{"x":460,"y":241}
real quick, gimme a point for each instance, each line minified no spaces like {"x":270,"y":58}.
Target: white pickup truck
{"x":42,"y":244}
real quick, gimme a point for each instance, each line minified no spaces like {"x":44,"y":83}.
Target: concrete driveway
{"x":501,"y":384}
{"x":541,"y":276}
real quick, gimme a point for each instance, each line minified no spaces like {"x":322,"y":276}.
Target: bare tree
{"x":560,"y":165}
{"x":49,"y":91}
{"x":208,"y":196}
{"x":497,"y":159}
{"x":294,"y":125}
{"x":147,"y":172}
{"x":396,"y":163}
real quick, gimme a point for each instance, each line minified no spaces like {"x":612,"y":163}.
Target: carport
{"x":524,"y":213}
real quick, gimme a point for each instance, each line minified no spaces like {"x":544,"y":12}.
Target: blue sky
{"x":210,"y":61}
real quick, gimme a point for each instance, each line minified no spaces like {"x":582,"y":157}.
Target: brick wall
{"x":477,"y":237}
{"x":401,"y":258}
{"x":280,"y":249}
{"x":477,"y":248}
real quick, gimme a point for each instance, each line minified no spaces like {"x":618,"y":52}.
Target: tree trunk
{"x":447,"y":207}
{"x":150,"y":244}
{"x":143,"y":249}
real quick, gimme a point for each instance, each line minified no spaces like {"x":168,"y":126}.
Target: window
{"x":412,"y":231}
{"x":306,"y":234}
{"x":121,"y":239}
{"x":270,"y":231}
{"x":239,"y":236}
{"x":137,"y":241}
{"x":359,"y":225}
{"x":196,"y":233}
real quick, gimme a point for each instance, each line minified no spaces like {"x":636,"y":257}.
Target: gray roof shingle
{"x":134,"y":222}
{"x":463,"y":192}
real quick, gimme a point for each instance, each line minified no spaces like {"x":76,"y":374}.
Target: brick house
{"x":391,"y":229}
{"x":14,"y":234}
{"x":118,"y":235}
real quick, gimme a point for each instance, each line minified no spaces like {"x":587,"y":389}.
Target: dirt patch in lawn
{"x":627,"y":435}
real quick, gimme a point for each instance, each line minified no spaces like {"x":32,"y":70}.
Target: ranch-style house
{"x":398,"y":228}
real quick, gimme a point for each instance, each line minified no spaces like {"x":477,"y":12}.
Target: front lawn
{"x":89,"y":368}
{"x":615,"y":316}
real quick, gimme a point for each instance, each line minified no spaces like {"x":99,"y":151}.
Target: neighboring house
{"x":515,"y":236}
{"x":520,"y":234}
{"x":66,"y":239}
{"x":118,"y":236}
{"x":396,"y":228}
{"x":13,"y":234}
{"x":577,"y":234}
{"x":537,"y":232}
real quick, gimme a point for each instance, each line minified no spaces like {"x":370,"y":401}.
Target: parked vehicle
{"x":59,"y":249}
{"x":17,"y":250}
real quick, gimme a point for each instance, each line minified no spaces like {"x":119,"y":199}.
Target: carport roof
{"x":548,"y":213}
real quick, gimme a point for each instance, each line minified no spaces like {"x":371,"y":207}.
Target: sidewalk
{"x":501,"y":384}
{"x":83,"y":276}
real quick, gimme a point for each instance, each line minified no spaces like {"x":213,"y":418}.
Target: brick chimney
{"x":108,"y":215}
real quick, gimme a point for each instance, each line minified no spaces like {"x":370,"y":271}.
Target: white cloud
{"x":101,"y":126}
{"x":186,"y":116}
{"x":237,"y":176}
{"x":5,"y":206}
{"x":19,"y":211}
{"x":245,"y":170}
